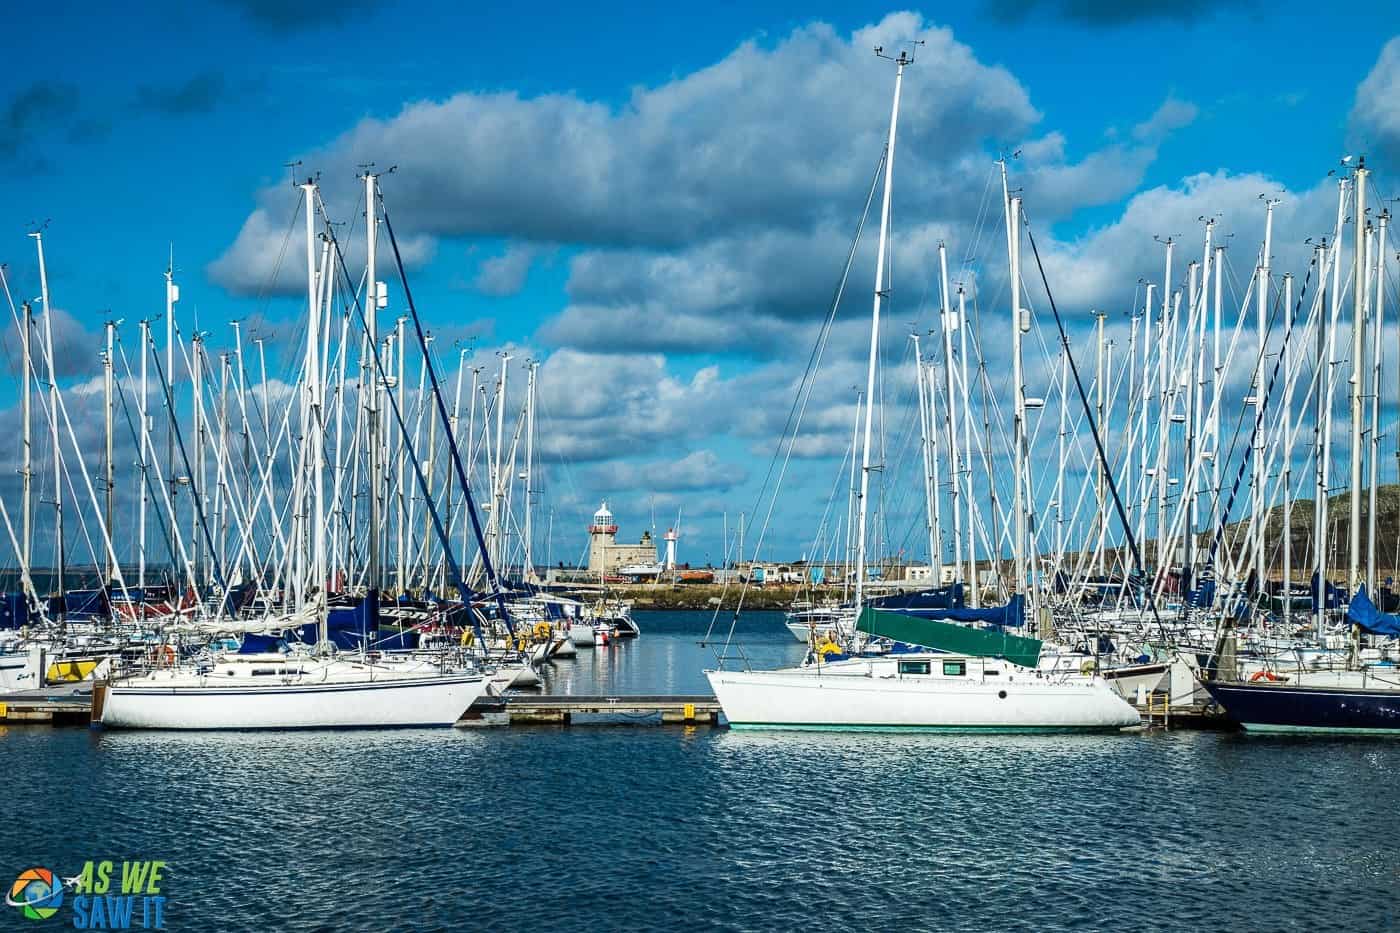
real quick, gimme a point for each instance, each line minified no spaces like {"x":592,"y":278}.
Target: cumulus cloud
{"x":75,"y":347}
{"x":699,"y":470}
{"x":1375,"y":114}
{"x":767,"y":137}
{"x":1104,"y":266}
{"x":504,"y":275}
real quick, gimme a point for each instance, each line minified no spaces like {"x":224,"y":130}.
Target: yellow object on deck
{"x":70,"y":672}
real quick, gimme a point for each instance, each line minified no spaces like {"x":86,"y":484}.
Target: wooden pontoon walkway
{"x":560,"y":710}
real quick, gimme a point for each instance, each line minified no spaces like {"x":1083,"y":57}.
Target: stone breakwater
{"x":708,"y":596}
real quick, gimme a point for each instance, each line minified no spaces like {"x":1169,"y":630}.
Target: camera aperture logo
{"x":105,"y":895}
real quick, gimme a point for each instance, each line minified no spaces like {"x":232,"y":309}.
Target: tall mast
{"x":400,"y":567}
{"x":27,"y":533}
{"x":903,"y":60}
{"x":1145,"y":478}
{"x":1101,"y":398}
{"x":1020,"y":323}
{"x":1324,"y":377}
{"x":428,"y":469}
{"x":974,"y":584}
{"x":852,"y":497}
{"x":1194,"y":337}
{"x":1217,"y":388}
{"x":373,"y":302}
{"x":1164,"y":407}
{"x":1201,"y":428}
{"x":145,"y":440}
{"x":109,"y":474}
{"x":1358,"y":377}
{"x":930,"y":493}
{"x":201,"y":560}
{"x":452,"y":438}
{"x":498,"y":519}
{"x":1261,"y":296}
{"x":1287,"y":603}
{"x":471,"y":448}
{"x":1377,"y":325}
{"x":528,"y":571}
{"x":313,"y":402}
{"x":951,"y":323}
{"x":172,"y":295}
{"x":60,"y":567}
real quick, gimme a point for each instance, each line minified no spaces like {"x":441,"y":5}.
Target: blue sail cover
{"x":1203,"y":595}
{"x":1363,"y":613}
{"x":1012,"y":615}
{"x":14,"y":610}
{"x":944,"y":597}
{"x":1335,"y":596}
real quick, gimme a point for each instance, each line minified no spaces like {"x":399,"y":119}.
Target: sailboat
{"x":920,"y":691}
{"x":1356,"y":697}
{"x":315,"y":687}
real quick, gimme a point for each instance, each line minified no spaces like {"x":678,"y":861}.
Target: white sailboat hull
{"x":804,"y":631}
{"x":801,"y":699}
{"x":581,"y":635}
{"x":407,"y":701}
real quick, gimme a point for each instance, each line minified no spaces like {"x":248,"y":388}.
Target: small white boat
{"x":274,"y":691}
{"x":925,"y":691}
{"x":602,"y":635}
{"x":581,"y":634}
{"x":22,"y":667}
{"x":820,"y":623}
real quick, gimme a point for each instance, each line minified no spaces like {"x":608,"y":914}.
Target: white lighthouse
{"x":606,"y":555}
{"x":670,"y":538}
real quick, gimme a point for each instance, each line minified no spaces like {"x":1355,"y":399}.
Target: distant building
{"x":606,"y":556}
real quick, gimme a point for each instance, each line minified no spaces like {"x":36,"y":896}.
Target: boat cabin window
{"x":913,"y":667}
{"x":954,"y":668}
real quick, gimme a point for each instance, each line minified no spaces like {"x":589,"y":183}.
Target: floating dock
{"x":522,"y":709}
{"x":56,"y":706}
{"x":72,"y":706}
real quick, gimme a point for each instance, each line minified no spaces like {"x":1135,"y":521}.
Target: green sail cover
{"x":950,"y":637}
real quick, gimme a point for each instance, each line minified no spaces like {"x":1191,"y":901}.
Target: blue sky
{"x":130,"y":131}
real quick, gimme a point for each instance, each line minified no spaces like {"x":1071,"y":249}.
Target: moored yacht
{"x":289,"y":691}
{"x":923,"y":691}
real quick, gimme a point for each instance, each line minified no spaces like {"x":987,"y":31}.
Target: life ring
{"x":1268,"y":676}
{"x":543,"y":630}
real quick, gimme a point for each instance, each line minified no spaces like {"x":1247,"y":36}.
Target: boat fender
{"x":1088,"y":667}
{"x":467,"y":638}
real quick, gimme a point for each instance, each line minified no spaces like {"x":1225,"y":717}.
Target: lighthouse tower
{"x":670,"y":538}
{"x":602,"y":534}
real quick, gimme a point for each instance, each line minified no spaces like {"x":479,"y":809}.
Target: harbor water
{"x":695,"y":828}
